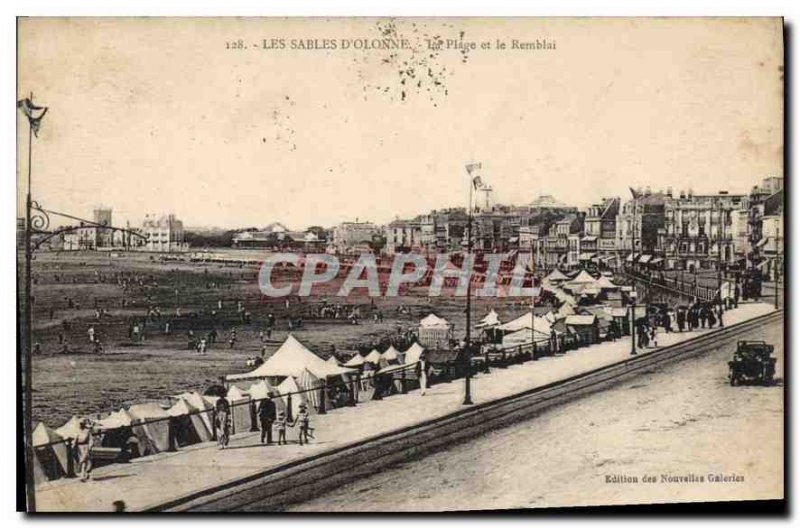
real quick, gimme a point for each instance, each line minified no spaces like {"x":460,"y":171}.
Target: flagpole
{"x":467,"y":347}
{"x":28,"y":417}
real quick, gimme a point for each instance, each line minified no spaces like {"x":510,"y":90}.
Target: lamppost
{"x":633,"y":322}
{"x":37,"y":221}
{"x":474,"y":183}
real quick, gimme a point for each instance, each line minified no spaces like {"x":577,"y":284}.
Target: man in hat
{"x":266,"y":416}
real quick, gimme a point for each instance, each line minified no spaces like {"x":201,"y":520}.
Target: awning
{"x":656,"y":260}
{"x":587,"y":256}
{"x":629,"y":258}
{"x":644,"y":259}
{"x":608,"y":258}
{"x":761,"y":242}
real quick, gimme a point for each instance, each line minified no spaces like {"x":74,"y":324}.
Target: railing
{"x":353,"y":386}
{"x":673,"y":285}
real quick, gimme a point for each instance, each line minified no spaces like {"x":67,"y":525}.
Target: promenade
{"x":149,"y":481}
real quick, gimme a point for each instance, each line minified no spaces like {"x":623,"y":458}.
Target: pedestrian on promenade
{"x":83,"y":443}
{"x":266,"y":416}
{"x":304,"y":421}
{"x":681,"y":318}
{"x":223,"y":422}
{"x":710,"y":316}
{"x":280,"y":428}
{"x":423,"y":373}
{"x":719,"y":316}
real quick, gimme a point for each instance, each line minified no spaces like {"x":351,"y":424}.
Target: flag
{"x":477,"y":183}
{"x":472,"y":167}
{"x":33,"y":113}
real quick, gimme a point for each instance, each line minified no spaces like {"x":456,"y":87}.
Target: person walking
{"x":423,"y":373}
{"x":83,"y":443}
{"x":280,"y":428}
{"x":223,"y":422}
{"x":304,"y":421}
{"x":266,"y":416}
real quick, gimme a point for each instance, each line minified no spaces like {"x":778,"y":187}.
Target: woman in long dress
{"x":423,"y":374}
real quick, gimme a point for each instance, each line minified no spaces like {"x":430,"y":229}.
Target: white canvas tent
{"x":70,"y":429}
{"x":391,"y":354}
{"x":261,"y":390}
{"x":289,"y":360}
{"x":605,"y":283}
{"x":582,"y":278}
{"x":115,"y":420}
{"x":355,"y":362}
{"x":413,"y":353}
{"x":51,"y":460}
{"x":556,"y":276}
{"x":289,"y":385}
{"x":373,"y":357}
{"x":523,"y":337}
{"x":434,"y":321}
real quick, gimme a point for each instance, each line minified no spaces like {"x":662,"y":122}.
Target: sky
{"x":173,"y":116}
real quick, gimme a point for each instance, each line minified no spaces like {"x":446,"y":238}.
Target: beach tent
{"x":203,"y":406}
{"x":115,"y":420}
{"x":189,"y":428}
{"x":116,"y":428}
{"x":51,"y":460}
{"x":308,"y":382}
{"x":151,"y":426}
{"x":332,"y":360}
{"x":260,"y":390}
{"x":289,"y":386}
{"x":434,"y":332}
{"x":605,"y":283}
{"x":391,"y":355}
{"x":289,"y":360}
{"x":241,"y":415}
{"x":556,"y":276}
{"x":413,"y":353}
{"x":434,"y":321}
{"x":582,"y":278}
{"x":491,"y":319}
{"x":357,"y":361}
{"x":373,"y":357}
{"x":70,"y":429}
{"x":523,"y":337}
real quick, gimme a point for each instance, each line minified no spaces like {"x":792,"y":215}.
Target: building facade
{"x":164,"y":233}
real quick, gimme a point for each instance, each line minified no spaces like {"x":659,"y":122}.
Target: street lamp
{"x":37,"y":220}
{"x":633,"y":322}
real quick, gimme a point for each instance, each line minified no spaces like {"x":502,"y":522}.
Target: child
{"x":303,"y":419}
{"x":280,"y":427}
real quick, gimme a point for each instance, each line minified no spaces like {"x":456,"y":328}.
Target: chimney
{"x":669,"y":192}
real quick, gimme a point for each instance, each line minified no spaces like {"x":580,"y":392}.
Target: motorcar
{"x":752,"y":364}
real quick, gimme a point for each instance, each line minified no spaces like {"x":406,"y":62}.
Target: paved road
{"x":681,"y":420}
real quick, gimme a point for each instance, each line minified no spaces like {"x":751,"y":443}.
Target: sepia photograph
{"x":399,"y":264}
